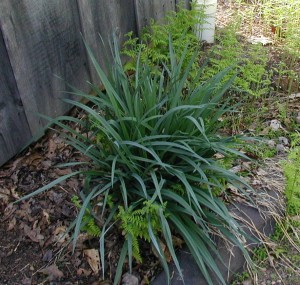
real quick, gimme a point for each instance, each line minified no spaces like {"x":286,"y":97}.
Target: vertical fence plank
{"x":14,"y":129}
{"x":186,"y":3}
{"x":40,"y":39}
{"x":43,"y":40}
{"x":105,"y":18}
{"x":152,"y":9}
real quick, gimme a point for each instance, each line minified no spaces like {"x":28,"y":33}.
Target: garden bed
{"x":35,"y":238}
{"x":30,"y":230}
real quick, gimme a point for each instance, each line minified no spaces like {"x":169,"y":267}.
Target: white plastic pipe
{"x":206,"y":31}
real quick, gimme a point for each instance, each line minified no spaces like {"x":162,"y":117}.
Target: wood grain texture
{"x":152,"y":9}
{"x":43,"y":40}
{"x":14,"y":129}
{"x":105,"y":18}
{"x":186,"y":3}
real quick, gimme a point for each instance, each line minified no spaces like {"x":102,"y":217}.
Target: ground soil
{"x":32,"y":231}
{"x":35,"y":244}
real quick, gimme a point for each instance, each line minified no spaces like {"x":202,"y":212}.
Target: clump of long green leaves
{"x":151,"y":146}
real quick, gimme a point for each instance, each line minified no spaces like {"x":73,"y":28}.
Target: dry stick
{"x":266,"y":241}
{"x":249,"y":223}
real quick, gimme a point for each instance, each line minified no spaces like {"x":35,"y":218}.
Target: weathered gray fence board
{"x":155,"y":9}
{"x":152,"y":9}
{"x":40,"y":39}
{"x":186,"y":3}
{"x":105,"y":18}
{"x":43,"y":40}
{"x":13,"y":121}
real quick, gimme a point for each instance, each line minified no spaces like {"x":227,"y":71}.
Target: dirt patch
{"x":19,"y":258}
{"x":34,"y":233}
{"x":35,"y":245}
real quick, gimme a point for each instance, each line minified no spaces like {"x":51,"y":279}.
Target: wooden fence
{"x":42,"y":38}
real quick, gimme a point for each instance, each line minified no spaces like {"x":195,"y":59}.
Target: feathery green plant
{"x":151,"y":148}
{"x":152,"y":47}
{"x":135,"y":224}
{"x":250,"y":62}
{"x":88,"y":221}
{"x":292,"y":171}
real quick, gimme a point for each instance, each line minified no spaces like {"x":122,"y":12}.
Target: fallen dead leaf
{"x":61,"y":172}
{"x":46,"y":164}
{"x":48,"y":255}
{"x":219,"y":155}
{"x":53,"y":272}
{"x":25,"y":211}
{"x":177,"y":242}
{"x":33,"y":234}
{"x":15,"y":164}
{"x":9,"y":210}
{"x":14,"y":194}
{"x":83,"y":272}
{"x":26,"y":281}
{"x":93,"y":259}
{"x":165,"y":249}
{"x":60,"y":235}
{"x":67,"y":210}
{"x":4,"y":195}
{"x":12,"y":224}
{"x":51,"y":149}
{"x":58,"y":198}
{"x":73,"y":183}
{"x":46,"y":216}
{"x":33,"y":160}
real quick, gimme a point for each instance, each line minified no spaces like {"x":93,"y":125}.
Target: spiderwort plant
{"x":151,"y":147}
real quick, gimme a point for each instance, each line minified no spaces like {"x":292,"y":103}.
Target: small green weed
{"x":292,"y":171}
{"x":240,"y":277}
{"x":278,"y":233}
{"x":261,"y":150}
{"x":134,"y":223}
{"x":250,"y":62}
{"x":260,"y":254}
{"x":152,"y":47}
{"x":284,"y":17}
